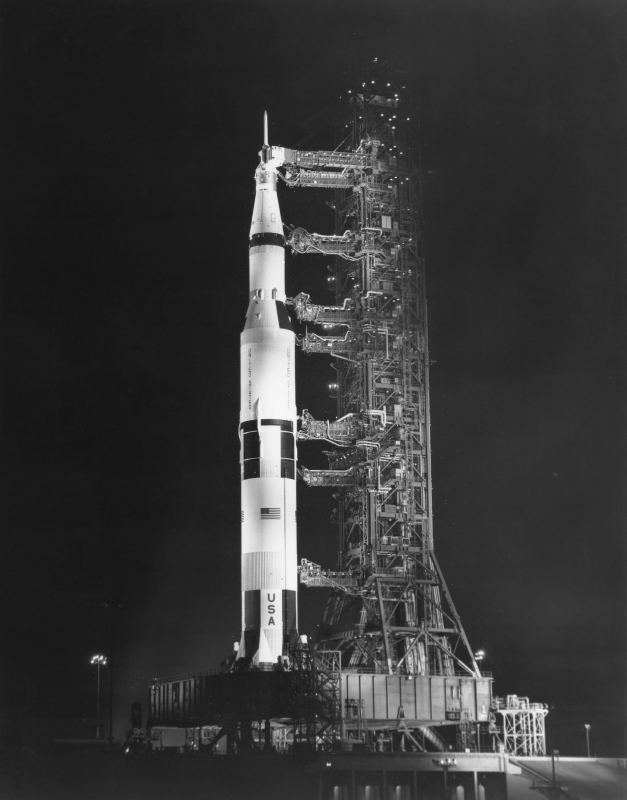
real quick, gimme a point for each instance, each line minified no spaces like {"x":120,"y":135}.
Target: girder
{"x":400,"y":617}
{"x":366,"y":157}
{"x":306,"y":311}
{"x":319,"y":180}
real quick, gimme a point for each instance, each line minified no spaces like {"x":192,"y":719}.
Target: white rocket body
{"x":267,"y":440}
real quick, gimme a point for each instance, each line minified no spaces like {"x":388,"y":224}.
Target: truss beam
{"x":401,"y":616}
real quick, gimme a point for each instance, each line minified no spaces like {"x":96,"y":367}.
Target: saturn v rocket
{"x":267,"y":437}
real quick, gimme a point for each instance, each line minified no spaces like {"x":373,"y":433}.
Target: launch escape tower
{"x":391,"y":662}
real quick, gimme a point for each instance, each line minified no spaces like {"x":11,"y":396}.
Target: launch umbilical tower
{"x":389,"y":610}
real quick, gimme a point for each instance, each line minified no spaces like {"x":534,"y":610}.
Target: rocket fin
{"x":263,"y":655}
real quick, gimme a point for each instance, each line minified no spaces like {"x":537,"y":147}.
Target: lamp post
{"x":587,"y":727}
{"x":445,"y":763}
{"x":99,"y":661}
{"x":112,"y":604}
{"x":479,"y":656}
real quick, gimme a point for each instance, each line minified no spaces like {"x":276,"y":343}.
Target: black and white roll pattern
{"x":267,"y":442}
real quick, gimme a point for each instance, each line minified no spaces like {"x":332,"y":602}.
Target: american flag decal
{"x":270,"y":513}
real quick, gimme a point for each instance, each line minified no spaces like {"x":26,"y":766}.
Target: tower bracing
{"x":522,"y":729}
{"x":389,"y":611}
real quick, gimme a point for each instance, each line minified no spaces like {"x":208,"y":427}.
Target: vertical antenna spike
{"x":265,"y":128}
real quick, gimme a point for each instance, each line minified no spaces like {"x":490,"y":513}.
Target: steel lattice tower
{"x":389,"y":609}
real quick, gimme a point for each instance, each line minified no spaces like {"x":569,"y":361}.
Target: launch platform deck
{"x":362,"y":701}
{"x":105,"y":773}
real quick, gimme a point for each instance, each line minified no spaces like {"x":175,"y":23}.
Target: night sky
{"x":130,"y":138}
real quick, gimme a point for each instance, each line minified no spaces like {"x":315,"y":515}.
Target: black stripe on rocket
{"x":259,"y":239}
{"x":284,"y":318}
{"x":250,"y":450}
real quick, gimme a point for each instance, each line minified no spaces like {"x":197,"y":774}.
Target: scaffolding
{"x":522,"y":730}
{"x":389,"y":610}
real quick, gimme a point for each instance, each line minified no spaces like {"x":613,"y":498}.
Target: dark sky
{"x":130,"y":138}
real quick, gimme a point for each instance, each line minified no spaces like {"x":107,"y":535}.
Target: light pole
{"x":479,"y":656}
{"x":112,"y":604}
{"x":587,"y":727}
{"x":445,"y":763}
{"x":99,"y":661}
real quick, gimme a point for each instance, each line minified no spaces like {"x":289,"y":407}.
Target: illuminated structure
{"x":267,"y":427}
{"x":99,"y":661}
{"x":389,"y":612}
{"x":392,"y":667}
